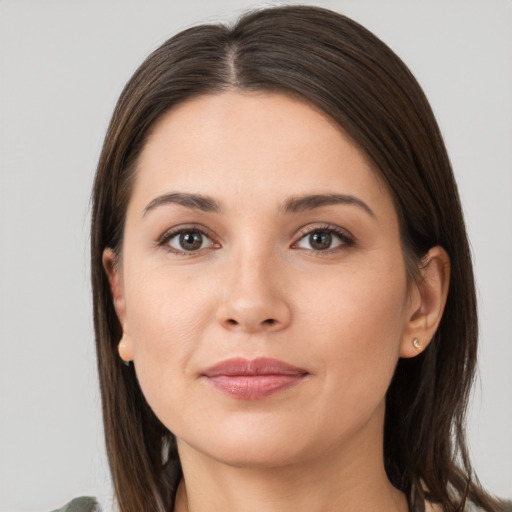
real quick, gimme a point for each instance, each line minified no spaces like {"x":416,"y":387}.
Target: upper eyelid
{"x":172,"y":232}
{"x":346,"y":238}
{"x":308,"y":229}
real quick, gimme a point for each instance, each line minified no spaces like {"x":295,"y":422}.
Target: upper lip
{"x":252,"y":367}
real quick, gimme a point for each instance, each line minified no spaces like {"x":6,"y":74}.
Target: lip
{"x":253,"y":379}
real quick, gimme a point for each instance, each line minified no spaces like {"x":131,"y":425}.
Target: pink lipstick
{"x":253,"y":379}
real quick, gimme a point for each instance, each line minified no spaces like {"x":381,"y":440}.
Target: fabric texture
{"x":83,"y":504}
{"x":87,"y":504}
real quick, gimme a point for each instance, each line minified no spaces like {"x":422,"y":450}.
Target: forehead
{"x":262,"y":145}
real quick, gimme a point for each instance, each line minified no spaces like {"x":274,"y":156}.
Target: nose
{"x":254,"y":298}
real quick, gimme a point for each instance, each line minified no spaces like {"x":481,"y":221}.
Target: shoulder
{"x":83,"y":504}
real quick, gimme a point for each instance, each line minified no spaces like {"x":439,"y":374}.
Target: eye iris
{"x":321,"y":240}
{"x":191,"y":240}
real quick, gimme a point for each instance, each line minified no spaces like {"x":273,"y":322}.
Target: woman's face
{"x":262,"y":289}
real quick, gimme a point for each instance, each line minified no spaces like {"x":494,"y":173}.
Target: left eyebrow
{"x":310,"y":202}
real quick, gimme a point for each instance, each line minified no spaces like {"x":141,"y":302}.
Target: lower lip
{"x":248,"y":387}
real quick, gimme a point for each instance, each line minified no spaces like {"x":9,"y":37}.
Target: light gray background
{"x":62,"y":65}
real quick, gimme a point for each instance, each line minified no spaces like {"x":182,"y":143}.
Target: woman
{"x":280,"y":259}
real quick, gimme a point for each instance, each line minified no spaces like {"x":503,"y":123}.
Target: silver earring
{"x":416,"y":343}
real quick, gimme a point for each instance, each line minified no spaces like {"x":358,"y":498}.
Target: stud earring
{"x":416,"y":343}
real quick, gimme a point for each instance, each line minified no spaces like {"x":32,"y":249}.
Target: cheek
{"x":167,"y":316}
{"x":165,"y":306}
{"x":356,"y":326}
{"x":367,"y":304}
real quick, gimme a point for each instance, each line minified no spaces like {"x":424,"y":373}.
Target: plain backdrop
{"x":62,"y":65}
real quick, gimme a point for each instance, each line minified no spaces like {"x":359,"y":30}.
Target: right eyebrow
{"x":194,"y":201}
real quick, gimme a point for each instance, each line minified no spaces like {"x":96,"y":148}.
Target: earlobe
{"x":427,"y":306}
{"x":125,"y":350}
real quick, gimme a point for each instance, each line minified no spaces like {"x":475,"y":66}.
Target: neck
{"x":349,"y":478}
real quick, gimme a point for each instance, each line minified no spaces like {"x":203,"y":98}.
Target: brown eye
{"x":320,"y":241}
{"x":189,"y":240}
{"x":323,"y":240}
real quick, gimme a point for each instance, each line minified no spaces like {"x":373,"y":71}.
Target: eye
{"x":323,"y":239}
{"x":187,"y":240}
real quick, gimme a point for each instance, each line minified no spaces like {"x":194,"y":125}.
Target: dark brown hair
{"x":338,"y":66}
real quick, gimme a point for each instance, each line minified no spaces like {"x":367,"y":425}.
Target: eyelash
{"x":163,"y":241}
{"x":346,"y":239}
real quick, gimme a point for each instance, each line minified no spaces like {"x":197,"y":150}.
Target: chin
{"x":259,"y":444}
{"x":254,"y":455}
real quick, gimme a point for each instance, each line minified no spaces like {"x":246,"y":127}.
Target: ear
{"x":113,"y":272}
{"x":427,"y":302}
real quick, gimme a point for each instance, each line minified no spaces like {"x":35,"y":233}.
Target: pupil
{"x":191,"y":240}
{"x":320,"y":240}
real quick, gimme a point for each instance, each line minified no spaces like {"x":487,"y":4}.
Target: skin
{"x":258,"y":286}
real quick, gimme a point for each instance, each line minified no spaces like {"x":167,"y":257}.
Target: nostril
{"x":269,"y":321}
{"x":231,"y":321}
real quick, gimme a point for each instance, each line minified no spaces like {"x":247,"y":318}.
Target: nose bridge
{"x":253,"y":298}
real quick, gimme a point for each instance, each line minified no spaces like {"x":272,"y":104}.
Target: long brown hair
{"x":340,"y":67}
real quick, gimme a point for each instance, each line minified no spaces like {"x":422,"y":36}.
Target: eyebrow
{"x":194,"y":201}
{"x":310,"y":202}
{"x":294,"y":204}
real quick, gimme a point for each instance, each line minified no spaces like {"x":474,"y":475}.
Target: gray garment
{"x":83,"y":504}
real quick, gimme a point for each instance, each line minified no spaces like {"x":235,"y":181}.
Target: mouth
{"x":253,"y":379}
